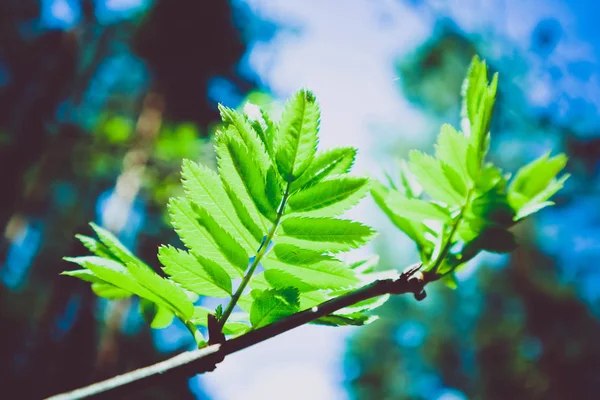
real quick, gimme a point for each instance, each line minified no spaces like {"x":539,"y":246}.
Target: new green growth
{"x":264,"y":233}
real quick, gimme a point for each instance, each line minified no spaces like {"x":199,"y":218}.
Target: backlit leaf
{"x":195,"y":236}
{"x":272,"y":305}
{"x":431,"y":176}
{"x":197,"y":274}
{"x":451,"y":148}
{"x":109,"y":291}
{"x":331,"y":197}
{"x":328,"y":163}
{"x":325,"y":234}
{"x":296,"y":144}
{"x":204,"y":188}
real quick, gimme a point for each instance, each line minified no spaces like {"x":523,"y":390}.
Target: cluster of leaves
{"x":269,"y":219}
{"x":455,"y":204}
{"x":264,"y":232}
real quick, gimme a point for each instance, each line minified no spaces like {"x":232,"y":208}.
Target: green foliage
{"x":455,"y":204}
{"x":296,"y":146}
{"x":273,"y":304}
{"x":274,"y":203}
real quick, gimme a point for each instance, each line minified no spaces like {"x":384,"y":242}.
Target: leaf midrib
{"x":298,"y":138}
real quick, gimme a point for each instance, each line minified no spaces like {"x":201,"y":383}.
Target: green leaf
{"x":365,"y":266}
{"x":307,"y":299}
{"x":233,"y":251}
{"x":456,"y":181}
{"x":245,"y":302}
{"x":312,"y":299}
{"x":235,"y":327}
{"x":493,"y":207}
{"x":391,"y":183}
{"x":162,"y":318}
{"x":325,"y":234}
{"x":531,"y":208}
{"x":263,"y":126}
{"x":330,"y":197}
{"x":197,"y":274}
{"x":203,"y":187}
{"x":113,"y":244}
{"x":533,"y":178}
{"x":363,"y":306}
{"x":450,"y":281}
{"x":490,"y":100}
{"x":244,"y":215}
{"x":473,"y":163}
{"x":251,"y":176}
{"x":278,"y":279}
{"x":274,"y":188}
{"x":272,"y":305}
{"x":109,"y":291}
{"x":409,"y":184}
{"x":473,"y":84}
{"x":116,"y":274}
{"x":200,"y":316}
{"x":83,"y":274}
{"x":195,"y":236}
{"x":470,"y":228}
{"x":432,"y":178}
{"x":491,"y":178}
{"x":238,"y":123}
{"x":416,"y":210}
{"x":312,"y":267}
{"x":451,"y":148}
{"x":332,"y":162}
{"x":95,"y":246}
{"x":236,"y":182}
{"x":356,"y":319}
{"x":413,"y":229}
{"x":166,"y":289}
{"x":540,"y":200}
{"x":478,"y":104}
{"x":296,"y":144}
{"x":219,"y":312}
{"x":168,"y":292}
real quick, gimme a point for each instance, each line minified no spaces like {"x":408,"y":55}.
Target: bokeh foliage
{"x":512,"y":328}
{"x":95,"y":118}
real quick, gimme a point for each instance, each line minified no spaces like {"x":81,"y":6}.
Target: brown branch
{"x":195,"y":362}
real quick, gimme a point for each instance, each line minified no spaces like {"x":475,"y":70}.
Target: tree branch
{"x":195,"y":362}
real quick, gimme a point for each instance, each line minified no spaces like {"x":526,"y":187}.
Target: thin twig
{"x":136,"y":379}
{"x":195,"y":362}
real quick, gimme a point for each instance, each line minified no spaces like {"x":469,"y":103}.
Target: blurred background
{"x":101,"y":99}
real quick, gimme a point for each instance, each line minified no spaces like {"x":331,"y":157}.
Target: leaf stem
{"x":262,"y":251}
{"x":456,"y":223}
{"x":195,"y":333}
